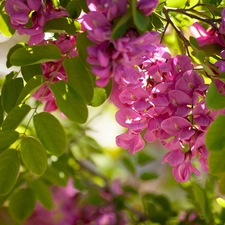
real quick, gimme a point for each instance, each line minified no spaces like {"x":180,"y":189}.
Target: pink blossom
{"x":147,"y":6}
{"x":222,"y":25}
{"x":110,"y":8}
{"x":182,"y":171}
{"x":29,"y":17}
{"x":131,"y":141}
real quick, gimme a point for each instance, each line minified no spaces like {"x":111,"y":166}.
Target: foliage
{"x":161,"y":63}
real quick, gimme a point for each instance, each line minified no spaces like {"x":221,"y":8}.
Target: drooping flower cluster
{"x":54,"y":71}
{"x":115,"y":58}
{"x":70,"y":207}
{"x":159,"y":96}
{"x":29,"y":17}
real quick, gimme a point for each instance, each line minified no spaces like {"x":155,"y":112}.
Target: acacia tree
{"x":161,"y":63}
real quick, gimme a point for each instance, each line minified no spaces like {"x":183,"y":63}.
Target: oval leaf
{"x":10,"y":92}
{"x":35,"y":54}
{"x":148,"y":176}
{"x":9,"y":169}
{"x":7,"y":138}
{"x":70,"y":102}
{"x":15,"y":117}
{"x":216,"y":163}
{"x":79,"y":78}
{"x":62,"y":25}
{"x":215,"y":136}
{"x":214,"y":99}
{"x":42,"y":193}
{"x":51,"y":133}
{"x":30,"y":87}
{"x":33,"y":155}
{"x":22,"y":204}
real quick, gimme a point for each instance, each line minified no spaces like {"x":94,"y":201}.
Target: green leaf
{"x":7,"y":138}
{"x":62,"y":25}
{"x":128,"y":164}
{"x":53,"y":175}
{"x":148,"y":176}
{"x":35,"y":54}
{"x":202,"y":202}
{"x":9,"y":169}
{"x":222,"y":183}
{"x":215,"y":136}
{"x":30,"y":88}
{"x":143,"y":158}
{"x":121,"y":26}
{"x":82,"y":42}
{"x":51,"y":133}
{"x":216,"y":163}
{"x":79,"y":78}
{"x":1,"y":111}
{"x":140,"y":20}
{"x":10,"y":92}
{"x":33,"y":155}
{"x":15,"y":117}
{"x":99,"y":97}
{"x":11,"y":51}
{"x":42,"y":193}
{"x":30,"y":71}
{"x":84,"y":6}
{"x":73,"y":8}
{"x":5,"y":27}
{"x":70,"y":102}
{"x":22,"y":204}
{"x":214,"y":99}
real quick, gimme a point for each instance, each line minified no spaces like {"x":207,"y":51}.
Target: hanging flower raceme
{"x":166,"y":105}
{"x":29,"y":17}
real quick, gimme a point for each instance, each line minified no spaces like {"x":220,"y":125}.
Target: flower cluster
{"x":115,"y":58}
{"x":29,"y":17}
{"x":70,"y":207}
{"x":159,"y":96}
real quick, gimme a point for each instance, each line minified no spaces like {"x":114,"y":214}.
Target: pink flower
{"x":182,"y":171}
{"x":147,"y":6}
{"x":29,"y":17}
{"x":222,"y":25}
{"x":131,"y":141}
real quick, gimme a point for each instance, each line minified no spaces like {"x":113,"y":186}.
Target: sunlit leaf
{"x":79,"y":78}
{"x":30,"y":87}
{"x":10,"y":93}
{"x":33,"y":155}
{"x":15,"y":117}
{"x":62,"y":25}
{"x":43,"y":193}
{"x":214,"y":99}
{"x":22,"y":204}
{"x":35,"y":54}
{"x":215,"y":136}
{"x":7,"y":138}
{"x":30,"y":71}
{"x":216,"y":163}
{"x":5,"y":26}
{"x":9,"y":169}
{"x":51,"y":133}
{"x":70,"y":102}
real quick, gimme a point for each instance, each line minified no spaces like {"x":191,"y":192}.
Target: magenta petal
{"x":34,"y":4}
{"x":181,"y":172}
{"x":174,"y":157}
{"x":174,"y":124}
{"x":150,"y":136}
{"x":133,"y":142}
